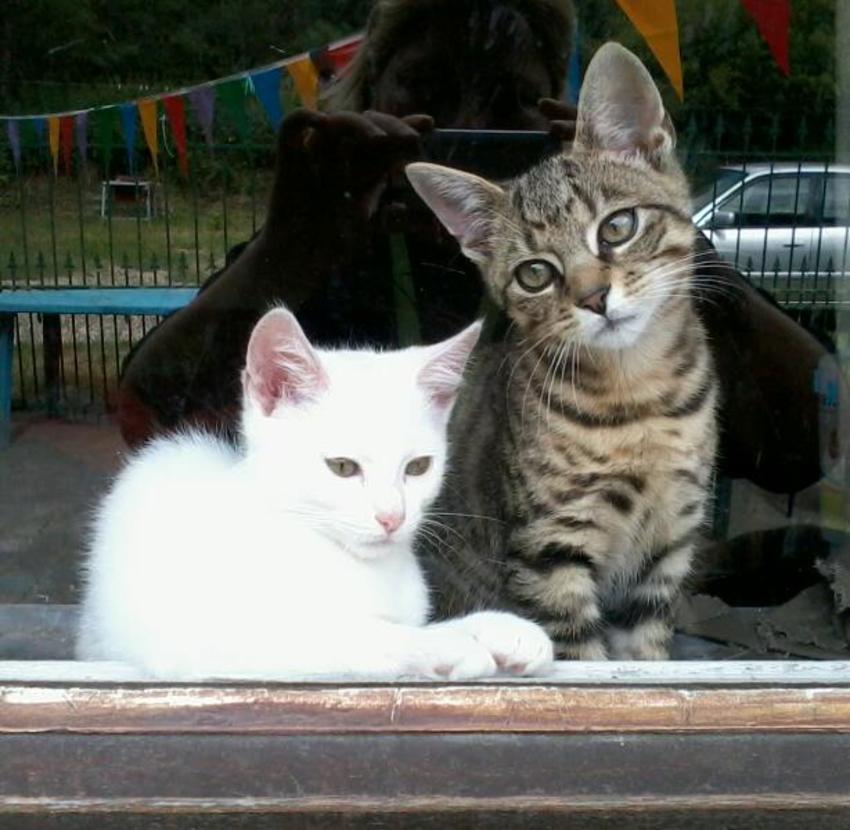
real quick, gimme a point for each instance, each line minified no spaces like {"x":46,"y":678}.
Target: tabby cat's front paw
{"x":518,"y":646}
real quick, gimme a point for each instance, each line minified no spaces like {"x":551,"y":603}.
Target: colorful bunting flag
{"x":39,"y":129}
{"x":61,"y":131}
{"x":14,"y":135}
{"x":103,"y":129}
{"x":66,"y":141}
{"x":306,"y":80}
{"x":232,"y":95}
{"x":81,"y":126}
{"x":773,"y":19}
{"x":53,"y":133}
{"x":573,"y":85}
{"x":202,"y":99}
{"x":127,"y":113}
{"x":656,"y":20}
{"x":323,"y":64}
{"x":147,"y":113}
{"x":175,"y":111}
{"x":267,"y":89}
{"x":341,"y":54}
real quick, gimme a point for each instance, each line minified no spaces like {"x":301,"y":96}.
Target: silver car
{"x":785,"y":224}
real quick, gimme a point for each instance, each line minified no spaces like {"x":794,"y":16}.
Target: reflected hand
{"x":342,"y":161}
{"x":561,"y":117}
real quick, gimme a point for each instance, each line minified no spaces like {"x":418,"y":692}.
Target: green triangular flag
{"x":29,"y":134}
{"x":104,"y":125}
{"x":232,"y":96}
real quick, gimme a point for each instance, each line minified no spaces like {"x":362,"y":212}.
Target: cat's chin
{"x":613,"y":335}
{"x":370,"y":550}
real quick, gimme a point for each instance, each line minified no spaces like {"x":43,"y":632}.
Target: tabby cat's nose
{"x":596,"y":300}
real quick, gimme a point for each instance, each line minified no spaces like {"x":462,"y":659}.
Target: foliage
{"x":55,"y":54}
{"x":735,"y":96}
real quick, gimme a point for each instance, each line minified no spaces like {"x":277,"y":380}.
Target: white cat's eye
{"x":534,"y":275}
{"x":343,"y":467}
{"x":418,"y":466}
{"x":618,"y":228}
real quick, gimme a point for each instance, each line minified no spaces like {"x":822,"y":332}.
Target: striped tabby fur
{"x":584,"y":440}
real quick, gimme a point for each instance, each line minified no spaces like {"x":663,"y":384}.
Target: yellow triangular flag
{"x":306,"y":81}
{"x":53,"y":136}
{"x":147,"y":114}
{"x":656,"y":21}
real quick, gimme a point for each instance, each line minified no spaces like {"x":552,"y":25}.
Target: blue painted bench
{"x":51,"y":302}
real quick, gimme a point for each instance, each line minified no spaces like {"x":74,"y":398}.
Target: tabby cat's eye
{"x":618,"y":228}
{"x":343,"y":467}
{"x":418,"y":466}
{"x":534,"y":275}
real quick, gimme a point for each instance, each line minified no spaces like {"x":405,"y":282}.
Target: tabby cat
{"x":584,"y":441}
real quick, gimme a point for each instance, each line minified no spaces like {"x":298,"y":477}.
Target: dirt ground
{"x":51,"y":476}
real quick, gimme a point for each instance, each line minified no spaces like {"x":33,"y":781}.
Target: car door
{"x":770,"y":226}
{"x":832,"y":242}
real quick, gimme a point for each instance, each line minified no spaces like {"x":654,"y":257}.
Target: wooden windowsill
{"x":625,"y":740}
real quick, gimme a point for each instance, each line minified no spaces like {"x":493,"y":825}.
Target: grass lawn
{"x":50,"y":228}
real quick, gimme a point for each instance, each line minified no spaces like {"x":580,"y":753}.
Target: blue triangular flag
{"x":267,"y":89}
{"x":574,"y":70}
{"x":40,"y":126}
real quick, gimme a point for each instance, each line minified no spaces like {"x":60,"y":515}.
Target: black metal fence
{"x":784,"y":223}
{"x":101,"y":227}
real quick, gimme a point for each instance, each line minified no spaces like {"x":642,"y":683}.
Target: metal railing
{"x":81,"y":231}
{"x":78,"y":230}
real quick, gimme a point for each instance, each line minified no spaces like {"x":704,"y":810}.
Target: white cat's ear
{"x":466,"y":204}
{"x":620,"y":108}
{"x":442,"y":373}
{"x":281,"y":365}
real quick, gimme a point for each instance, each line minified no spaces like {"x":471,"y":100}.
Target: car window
{"x":836,"y":201}
{"x":722,"y":181}
{"x":773,"y":201}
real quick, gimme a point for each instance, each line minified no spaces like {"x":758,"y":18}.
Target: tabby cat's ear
{"x":281,"y":365}
{"x":620,"y":108}
{"x":464,"y":203}
{"x":442,"y":373}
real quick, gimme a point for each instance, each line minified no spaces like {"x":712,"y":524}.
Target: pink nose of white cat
{"x":390,"y":522}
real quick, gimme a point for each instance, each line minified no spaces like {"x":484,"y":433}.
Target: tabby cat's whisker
{"x":466,"y":516}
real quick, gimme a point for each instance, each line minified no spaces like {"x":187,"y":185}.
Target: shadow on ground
{"x":51,"y":476}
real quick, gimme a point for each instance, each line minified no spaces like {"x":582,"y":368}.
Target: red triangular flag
{"x":66,"y":141}
{"x":340,"y":55}
{"x":175,"y":111}
{"x":773,"y":19}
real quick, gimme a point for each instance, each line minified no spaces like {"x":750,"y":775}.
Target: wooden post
{"x":52,"y":333}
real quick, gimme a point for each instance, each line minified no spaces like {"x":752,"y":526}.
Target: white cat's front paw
{"x":452,"y":655}
{"x":518,"y":646}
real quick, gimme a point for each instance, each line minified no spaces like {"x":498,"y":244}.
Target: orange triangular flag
{"x":53,"y":137}
{"x":656,"y":21}
{"x":306,"y":81}
{"x":147,"y":114}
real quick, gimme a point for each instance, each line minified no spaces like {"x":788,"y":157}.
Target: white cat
{"x":292,"y":557}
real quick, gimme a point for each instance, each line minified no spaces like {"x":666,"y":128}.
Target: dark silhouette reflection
{"x":330,"y":247}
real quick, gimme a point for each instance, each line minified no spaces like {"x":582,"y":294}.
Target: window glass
{"x":168,"y":175}
{"x":723,"y":181}
{"x":836,"y":204}
{"x":775,"y":201}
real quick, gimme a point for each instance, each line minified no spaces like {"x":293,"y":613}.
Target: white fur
{"x":210,"y":562}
